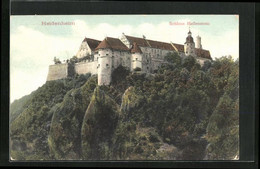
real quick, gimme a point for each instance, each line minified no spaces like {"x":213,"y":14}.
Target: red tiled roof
{"x":154,"y":44}
{"x":189,"y":39}
{"x":92,"y":43}
{"x":166,"y":46}
{"x":179,"y":47}
{"x":203,"y":53}
{"x":112,"y":43}
{"x":136,"y":48}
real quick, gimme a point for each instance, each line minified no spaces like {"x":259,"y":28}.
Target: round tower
{"x":104,"y":66}
{"x":104,"y":62}
{"x":189,"y":45}
{"x":198,"y":42}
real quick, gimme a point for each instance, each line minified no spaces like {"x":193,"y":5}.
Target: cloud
{"x":32,"y":51}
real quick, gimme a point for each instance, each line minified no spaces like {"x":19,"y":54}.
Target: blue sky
{"x":33,"y":45}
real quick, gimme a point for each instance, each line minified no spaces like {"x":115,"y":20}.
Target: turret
{"x":198,"y":42}
{"x":189,"y":45}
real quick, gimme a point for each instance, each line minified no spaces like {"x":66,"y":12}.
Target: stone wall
{"x":86,"y":67}
{"x":58,"y":71}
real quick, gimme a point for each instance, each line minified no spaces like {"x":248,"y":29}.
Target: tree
{"x":189,"y":62}
{"x":206,"y":65}
{"x":173,"y":58}
{"x":56,"y":61}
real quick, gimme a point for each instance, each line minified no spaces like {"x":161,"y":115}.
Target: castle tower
{"x":136,"y":57}
{"x":189,"y":45}
{"x":198,"y":42}
{"x":104,"y":60}
{"x":111,"y":53}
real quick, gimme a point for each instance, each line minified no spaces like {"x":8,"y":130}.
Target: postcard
{"x":124,"y":87}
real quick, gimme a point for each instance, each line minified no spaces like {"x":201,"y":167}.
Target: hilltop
{"x":183,"y":112}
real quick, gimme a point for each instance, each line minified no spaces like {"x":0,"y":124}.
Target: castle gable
{"x":87,"y":47}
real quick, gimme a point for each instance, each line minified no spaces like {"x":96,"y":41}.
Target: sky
{"x":33,"y":45}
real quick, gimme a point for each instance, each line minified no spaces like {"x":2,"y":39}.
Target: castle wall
{"x":86,"y":67}
{"x":153,"y":58}
{"x":58,"y":71}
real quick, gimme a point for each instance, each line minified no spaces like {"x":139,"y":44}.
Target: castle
{"x":135,"y":54}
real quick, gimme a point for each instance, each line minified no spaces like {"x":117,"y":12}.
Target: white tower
{"x":189,"y":45}
{"x":198,"y":42}
{"x":104,"y":63}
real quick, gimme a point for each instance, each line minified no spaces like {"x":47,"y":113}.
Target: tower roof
{"x":136,"y":48}
{"x":189,"y":39}
{"x":112,"y":43}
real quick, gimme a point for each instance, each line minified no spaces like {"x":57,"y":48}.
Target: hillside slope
{"x":184,"y":112}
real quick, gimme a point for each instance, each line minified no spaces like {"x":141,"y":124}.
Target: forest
{"x":183,"y":112}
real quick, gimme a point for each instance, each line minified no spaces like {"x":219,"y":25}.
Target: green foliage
{"x":18,"y":106}
{"x":65,"y":132}
{"x":173,"y":58}
{"x":29,"y":131}
{"x":185,"y":112}
{"x":98,"y":126}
